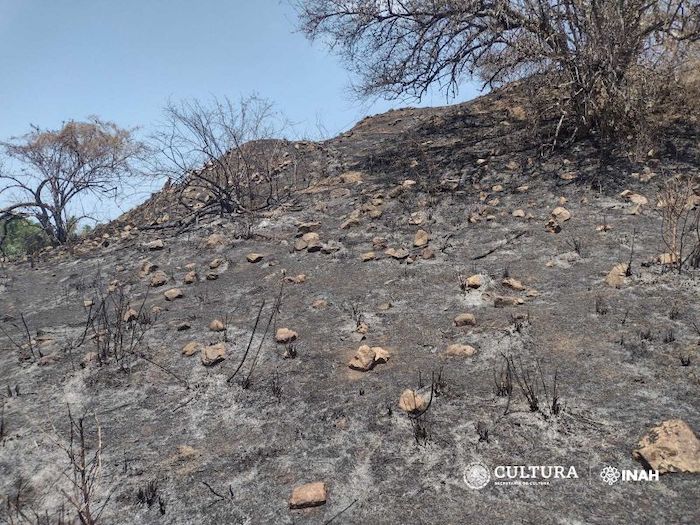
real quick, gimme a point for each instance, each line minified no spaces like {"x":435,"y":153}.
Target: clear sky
{"x":122,"y":59}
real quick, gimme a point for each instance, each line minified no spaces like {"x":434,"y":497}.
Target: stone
{"x":399,"y":254}
{"x":173,"y":293}
{"x":87,"y":303}
{"x":216,"y":263}
{"x":617,"y":276}
{"x":254,"y":257}
{"x":475,"y":281}
{"x":348,"y":223}
{"x":519,"y":213}
{"x":671,"y":446}
{"x":190,"y":277}
{"x":427,"y":253}
{"x":366,"y":357}
{"x":412,"y":402}
{"x":213,"y":354}
{"x":214,"y":240}
{"x":130,"y":315}
{"x":300,"y":245}
{"x":319,"y":304}
{"x":306,"y":227}
{"x":379,"y":243}
{"x":296,"y":279}
{"x":363,"y":359}
{"x":155,"y":245}
{"x":147,"y":267}
{"x":417,"y":218}
{"x":460,"y":350}
{"x":310,"y":237}
{"x":421,"y":239}
{"x":285,"y":335}
{"x":501,"y":301}
{"x":217,"y":325}
{"x":465,"y":320}
{"x":159,"y":279}
{"x":561,"y":214}
{"x":191,"y":348}
{"x":513,"y":283}
{"x":308,"y":495}
{"x":636,"y":198}
{"x":367,"y":256}
{"x":553,"y":226}
{"x":211,"y":276}
{"x":375,"y":213}
{"x":497,"y":188}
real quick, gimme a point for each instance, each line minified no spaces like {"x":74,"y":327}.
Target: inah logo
{"x":610,"y":475}
{"x":476,"y":476}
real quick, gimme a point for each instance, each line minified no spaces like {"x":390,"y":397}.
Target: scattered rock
{"x":399,"y":254}
{"x":214,"y":240}
{"x":427,"y":253}
{"x":670,"y":447}
{"x":475,"y":281}
{"x":351,"y":177}
{"x":173,"y":293}
{"x":147,"y":267}
{"x":217,"y":325}
{"x":191,"y":348}
{"x":213,"y":354}
{"x":365,"y":358}
{"x":285,"y":335}
{"x":519,"y":213}
{"x":368,"y":256}
{"x":130,"y":315}
{"x":553,"y":226}
{"x":460,"y":350}
{"x":309,"y":495}
{"x":465,"y":320}
{"x":412,"y":402}
{"x":421,"y":239}
{"x":211,"y":276}
{"x":513,"y":283}
{"x":159,"y":279}
{"x":216,"y":263}
{"x":319,"y":304}
{"x":306,"y":227}
{"x":501,"y":301}
{"x":190,"y":277}
{"x":617,"y":276}
{"x":254,"y":257}
{"x":296,"y":279}
{"x":155,"y":245}
{"x":561,"y":214}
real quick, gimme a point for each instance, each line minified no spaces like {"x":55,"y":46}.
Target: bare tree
{"x":59,"y":167}
{"x":679,"y":206}
{"x":601,"y":54}
{"x":224,"y":156}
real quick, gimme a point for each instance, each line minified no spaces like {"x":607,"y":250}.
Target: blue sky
{"x":122,"y":59}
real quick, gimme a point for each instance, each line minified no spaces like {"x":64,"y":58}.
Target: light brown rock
{"x":155,"y":245}
{"x":513,"y":283}
{"x":400,"y":254}
{"x":190,"y":277}
{"x":421,"y":239}
{"x":501,"y":301}
{"x":465,"y":320}
{"x":214,"y":240}
{"x":159,"y":279}
{"x":285,"y":335}
{"x":561,"y":214}
{"x":309,"y":495}
{"x":368,"y":256}
{"x":254,"y":257}
{"x":617,"y":276}
{"x":670,"y":447}
{"x":213,"y":354}
{"x":191,"y":348}
{"x":173,"y":293}
{"x":130,"y":315}
{"x":460,"y":350}
{"x":217,"y":325}
{"x":411,"y":401}
{"x":475,"y":281}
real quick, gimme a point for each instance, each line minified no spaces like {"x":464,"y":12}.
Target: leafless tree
{"x":679,"y":205}
{"x":224,"y":156}
{"x":598,"y":56}
{"x":57,"y":168}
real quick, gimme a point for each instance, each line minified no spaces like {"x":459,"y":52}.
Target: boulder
{"x":671,"y":446}
{"x":561,"y":214}
{"x":159,"y":279}
{"x":617,"y":276}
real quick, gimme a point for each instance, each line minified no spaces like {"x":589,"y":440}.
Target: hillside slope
{"x":377,"y":250}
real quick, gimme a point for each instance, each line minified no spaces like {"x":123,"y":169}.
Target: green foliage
{"x":21,"y":236}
